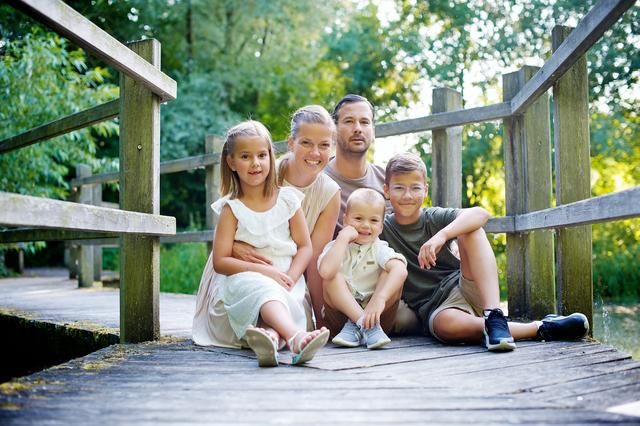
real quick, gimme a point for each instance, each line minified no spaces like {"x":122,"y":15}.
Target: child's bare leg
{"x":454,"y":325}
{"x":388,"y":316}
{"x":338,"y":296}
{"x":276,"y":315}
{"x":478,"y":264}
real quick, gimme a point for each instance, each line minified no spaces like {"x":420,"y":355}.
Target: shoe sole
{"x":379,"y":344}
{"x":505,"y":345}
{"x":265,"y":349}
{"x":347,"y":344}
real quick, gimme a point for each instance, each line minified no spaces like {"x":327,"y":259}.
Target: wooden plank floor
{"x":412,"y":381}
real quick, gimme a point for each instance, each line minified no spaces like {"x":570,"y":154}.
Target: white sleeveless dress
{"x":211,"y":323}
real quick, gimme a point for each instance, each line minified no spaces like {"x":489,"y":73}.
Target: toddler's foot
{"x":264,"y":343}
{"x":350,"y":336}
{"x":558,"y":327}
{"x":497,"y":336}
{"x":375,"y":337}
{"x":304,"y":345}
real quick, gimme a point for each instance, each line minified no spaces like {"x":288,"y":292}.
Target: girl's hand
{"x":280,"y":277}
{"x":372,"y":313}
{"x":430,"y":250}
{"x":248,"y":253}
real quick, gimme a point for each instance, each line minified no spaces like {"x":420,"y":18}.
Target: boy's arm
{"x":467,"y":220}
{"x":299,"y":235}
{"x":385,"y":289}
{"x":330,"y":263}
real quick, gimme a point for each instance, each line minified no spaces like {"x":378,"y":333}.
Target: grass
{"x":618,"y":325}
{"x":181,"y":266}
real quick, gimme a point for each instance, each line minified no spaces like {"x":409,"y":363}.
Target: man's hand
{"x":372,"y":312}
{"x":248,"y":253}
{"x":348,"y":234}
{"x":430,"y":250}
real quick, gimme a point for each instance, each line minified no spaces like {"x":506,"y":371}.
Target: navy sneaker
{"x":558,"y":327}
{"x":497,"y":336}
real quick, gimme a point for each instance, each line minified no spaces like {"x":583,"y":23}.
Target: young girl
{"x":263,"y":301}
{"x":310,"y":141}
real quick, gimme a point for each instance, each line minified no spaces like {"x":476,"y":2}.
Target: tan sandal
{"x":263,"y":345}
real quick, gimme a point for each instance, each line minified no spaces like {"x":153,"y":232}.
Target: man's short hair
{"x":350,"y":99}
{"x":404,"y":163}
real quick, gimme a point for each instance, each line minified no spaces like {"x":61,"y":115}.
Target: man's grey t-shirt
{"x":424,"y":289}
{"x":373,"y":178}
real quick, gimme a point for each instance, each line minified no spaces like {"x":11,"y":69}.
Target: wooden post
{"x":212,"y":144}
{"x":527,"y":159}
{"x":573,"y":183}
{"x":446,"y":165}
{"x":85,"y":252}
{"x":97,"y":250}
{"x":140,"y":192}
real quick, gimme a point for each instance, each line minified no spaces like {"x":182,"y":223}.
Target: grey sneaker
{"x":350,"y":335}
{"x":375,"y":337}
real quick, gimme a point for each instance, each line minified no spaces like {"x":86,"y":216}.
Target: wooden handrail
{"x":23,"y":210}
{"x":588,"y":31}
{"x":444,"y":120}
{"x":67,"y":124}
{"x":67,"y":22}
{"x":172,"y":166}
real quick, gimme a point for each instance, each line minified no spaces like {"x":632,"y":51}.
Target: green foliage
{"x":44,"y":81}
{"x":181,"y":267}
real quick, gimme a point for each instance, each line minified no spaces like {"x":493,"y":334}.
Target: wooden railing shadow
{"x":543,"y":275}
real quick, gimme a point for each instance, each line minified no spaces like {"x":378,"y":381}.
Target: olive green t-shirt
{"x":424,"y":289}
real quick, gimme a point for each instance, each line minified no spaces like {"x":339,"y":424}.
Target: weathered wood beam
{"x":574,"y":286}
{"x":605,"y":208}
{"x":67,"y":22}
{"x":140,"y":191}
{"x":67,"y":124}
{"x":446,"y":153}
{"x":34,"y":234}
{"x":24,"y":210}
{"x":599,"y":19}
{"x":172,"y":166}
{"x":527,"y":162}
{"x":444,"y":119}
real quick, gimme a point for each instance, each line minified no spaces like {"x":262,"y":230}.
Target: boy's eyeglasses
{"x":400,"y":190}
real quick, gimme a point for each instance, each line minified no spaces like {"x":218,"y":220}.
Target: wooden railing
{"x":138,"y":223}
{"x":536,"y":283}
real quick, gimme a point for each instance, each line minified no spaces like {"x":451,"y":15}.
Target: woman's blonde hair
{"x":310,"y":114}
{"x":229,"y":180}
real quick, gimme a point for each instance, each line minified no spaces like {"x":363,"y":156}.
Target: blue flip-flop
{"x":309,"y":351}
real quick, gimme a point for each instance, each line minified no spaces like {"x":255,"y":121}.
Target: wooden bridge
{"x":416,"y":380}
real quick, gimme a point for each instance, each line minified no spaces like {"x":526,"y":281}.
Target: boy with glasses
{"x":455,"y":299}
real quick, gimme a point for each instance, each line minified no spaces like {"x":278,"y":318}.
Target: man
{"x":350,"y":169}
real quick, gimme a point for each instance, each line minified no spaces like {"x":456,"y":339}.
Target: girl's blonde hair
{"x":229,"y":180}
{"x":310,"y":114}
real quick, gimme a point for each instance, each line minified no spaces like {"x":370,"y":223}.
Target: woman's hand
{"x":248,"y":253}
{"x":429,"y":251}
{"x":280,"y":277}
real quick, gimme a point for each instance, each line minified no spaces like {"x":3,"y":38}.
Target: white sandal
{"x":263,"y":345}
